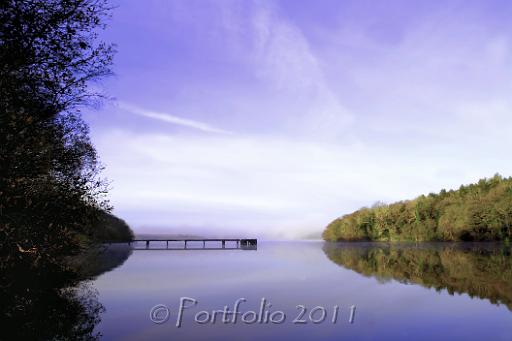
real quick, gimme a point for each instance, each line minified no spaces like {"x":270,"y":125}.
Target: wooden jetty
{"x":192,"y":244}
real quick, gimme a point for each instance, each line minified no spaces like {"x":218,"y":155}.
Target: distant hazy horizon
{"x":270,"y":119}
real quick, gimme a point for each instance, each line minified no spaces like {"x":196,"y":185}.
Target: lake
{"x":381,"y":291}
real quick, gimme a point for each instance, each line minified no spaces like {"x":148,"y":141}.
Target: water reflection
{"x":38,"y":305}
{"x":288,"y":274}
{"x":54,"y":302}
{"x":482,"y":270}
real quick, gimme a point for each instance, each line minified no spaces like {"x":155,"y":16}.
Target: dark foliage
{"x":52,"y":198}
{"x":111,"y":228}
{"x":51,"y":195}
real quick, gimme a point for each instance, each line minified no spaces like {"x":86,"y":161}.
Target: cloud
{"x":266,"y":185}
{"x":327,"y":117}
{"x":284,"y":57}
{"x":164,"y":117}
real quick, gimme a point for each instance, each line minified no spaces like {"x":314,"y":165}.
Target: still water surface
{"x":404,"y":291}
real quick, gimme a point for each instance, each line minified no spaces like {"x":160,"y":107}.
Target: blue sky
{"x":271,"y":118}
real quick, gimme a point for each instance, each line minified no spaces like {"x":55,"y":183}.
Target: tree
{"x":50,"y":189}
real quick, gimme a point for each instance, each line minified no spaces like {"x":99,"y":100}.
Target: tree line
{"x":475,"y":212}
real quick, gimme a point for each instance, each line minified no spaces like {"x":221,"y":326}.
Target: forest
{"x":475,"y":212}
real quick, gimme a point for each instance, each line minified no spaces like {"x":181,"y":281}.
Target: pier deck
{"x":194,"y":244}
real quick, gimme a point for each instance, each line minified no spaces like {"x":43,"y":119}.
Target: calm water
{"x":442,"y":291}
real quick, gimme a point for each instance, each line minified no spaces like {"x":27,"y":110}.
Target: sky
{"x":272,"y":118}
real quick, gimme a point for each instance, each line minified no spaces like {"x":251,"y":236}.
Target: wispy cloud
{"x":165,"y":117}
{"x":284,"y":57}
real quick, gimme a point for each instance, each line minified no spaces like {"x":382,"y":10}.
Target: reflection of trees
{"x":97,"y":261}
{"x":483,"y":271}
{"x":48,"y":302}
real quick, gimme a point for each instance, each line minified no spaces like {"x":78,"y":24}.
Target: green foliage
{"x":481,"y":211}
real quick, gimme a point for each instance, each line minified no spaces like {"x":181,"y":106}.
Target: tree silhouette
{"x":51,"y":193}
